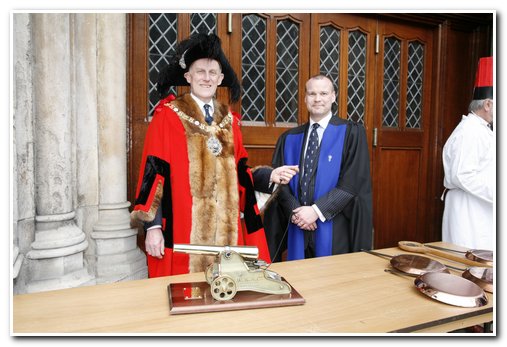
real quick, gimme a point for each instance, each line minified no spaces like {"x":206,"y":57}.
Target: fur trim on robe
{"x":213,"y":182}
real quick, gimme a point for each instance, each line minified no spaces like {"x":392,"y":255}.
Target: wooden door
{"x":379,"y":67}
{"x":382,"y":71}
{"x":270,"y":53}
{"x":401,"y":132}
{"x":342,"y":47}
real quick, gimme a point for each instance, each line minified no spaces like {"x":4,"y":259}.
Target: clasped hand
{"x":305,"y":218}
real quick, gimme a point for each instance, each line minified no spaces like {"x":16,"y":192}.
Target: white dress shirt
{"x":323,"y":123}
{"x":202,"y":103}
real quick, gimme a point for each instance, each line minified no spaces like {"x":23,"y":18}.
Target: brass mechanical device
{"x":236,"y":268}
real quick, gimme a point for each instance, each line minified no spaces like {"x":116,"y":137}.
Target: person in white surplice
{"x":469,"y":168}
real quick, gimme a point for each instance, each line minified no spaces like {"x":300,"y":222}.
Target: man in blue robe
{"x":327,"y":208}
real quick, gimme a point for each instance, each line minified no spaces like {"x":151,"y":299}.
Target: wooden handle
{"x":417,"y":247}
{"x":412,"y":246}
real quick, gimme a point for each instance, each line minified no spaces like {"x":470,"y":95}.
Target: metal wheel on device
{"x":223,"y":288}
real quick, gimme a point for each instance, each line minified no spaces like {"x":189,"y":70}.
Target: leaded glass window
{"x":287,"y":74}
{"x":163,"y":36}
{"x":204,"y":23}
{"x":392,"y":76}
{"x":330,"y":57}
{"x":356,"y":92}
{"x":253,"y":67}
{"x":414,"y":84}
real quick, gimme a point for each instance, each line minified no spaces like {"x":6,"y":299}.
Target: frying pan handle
{"x":378,"y":254}
{"x":417,"y":247}
{"x":412,"y":246}
{"x":454,"y":257}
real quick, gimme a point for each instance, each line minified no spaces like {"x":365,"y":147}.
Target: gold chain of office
{"x":214,"y":145}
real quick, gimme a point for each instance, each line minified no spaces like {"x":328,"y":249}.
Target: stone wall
{"x":71,"y":223}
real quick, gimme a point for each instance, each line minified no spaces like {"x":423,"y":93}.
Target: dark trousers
{"x":309,"y":244}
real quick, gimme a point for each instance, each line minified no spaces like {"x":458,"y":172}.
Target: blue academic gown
{"x":340,"y":187}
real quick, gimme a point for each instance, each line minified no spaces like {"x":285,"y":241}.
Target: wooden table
{"x":344,"y":294}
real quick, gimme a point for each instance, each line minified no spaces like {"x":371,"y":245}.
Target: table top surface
{"x":344,"y":294}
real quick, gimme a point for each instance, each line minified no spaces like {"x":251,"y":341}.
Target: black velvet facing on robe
{"x":154,"y":166}
{"x":253,"y":220}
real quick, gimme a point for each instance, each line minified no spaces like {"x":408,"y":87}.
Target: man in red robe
{"x":194,"y":181}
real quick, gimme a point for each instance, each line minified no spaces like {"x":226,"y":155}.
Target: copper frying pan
{"x":451,"y":289}
{"x":477,"y":273}
{"x":412,"y":264}
{"x":417,"y":247}
{"x":482,"y":276}
{"x":480,"y":255}
{"x":416,"y":264}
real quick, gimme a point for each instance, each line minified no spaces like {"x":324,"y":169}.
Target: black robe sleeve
{"x":279,"y":210}
{"x":352,"y":180}
{"x":261,"y":176}
{"x":355,"y":179}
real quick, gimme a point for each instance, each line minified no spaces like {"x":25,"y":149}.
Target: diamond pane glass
{"x":287,"y":72}
{"x":204,"y":23}
{"x":253,"y":67}
{"x":414,"y":84}
{"x":163,"y":36}
{"x":391,"y":89}
{"x":330,"y":57}
{"x":356,"y":73}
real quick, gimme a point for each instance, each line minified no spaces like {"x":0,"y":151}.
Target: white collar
{"x":323,"y":122}
{"x":479,"y":118}
{"x":202,"y":103}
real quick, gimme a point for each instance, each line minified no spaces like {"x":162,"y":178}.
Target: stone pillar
{"x":85,"y":96}
{"x":17,"y":257}
{"x":118,"y":257}
{"x":56,"y":255}
{"x":23,"y":208}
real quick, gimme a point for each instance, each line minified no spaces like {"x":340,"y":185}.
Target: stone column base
{"x":122,"y":265}
{"x":56,"y":260}
{"x":71,"y":280}
{"x":117,"y":257}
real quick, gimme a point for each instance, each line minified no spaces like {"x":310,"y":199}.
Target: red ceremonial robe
{"x":200,"y":194}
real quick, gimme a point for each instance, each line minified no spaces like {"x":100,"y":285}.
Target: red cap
{"x":483,"y":88}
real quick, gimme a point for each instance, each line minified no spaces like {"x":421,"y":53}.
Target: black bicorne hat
{"x":196,"y":47}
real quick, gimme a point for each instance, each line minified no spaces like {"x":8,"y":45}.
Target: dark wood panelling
{"x":259,"y":156}
{"x":458,"y":52}
{"x":137,"y":95}
{"x":400,"y":159}
{"x":399,"y":204}
{"x":466,"y":22}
